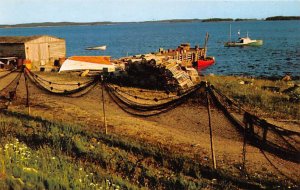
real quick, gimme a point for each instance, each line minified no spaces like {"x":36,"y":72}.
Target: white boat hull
{"x":97,"y":48}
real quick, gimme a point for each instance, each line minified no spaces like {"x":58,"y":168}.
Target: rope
{"x":128,"y":101}
{"x":273,"y":127}
{"x":12,"y":93}
{"x":257,"y":140}
{"x":139,"y":97}
{"x":157,"y":109}
{"x":56,"y":83}
{"x":16,"y":78}
{"x":62,"y":92}
{"x":143,"y":107}
{"x":7,"y":74}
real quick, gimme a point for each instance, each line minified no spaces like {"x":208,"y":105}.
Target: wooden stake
{"x":244,"y":149}
{"x":103,"y":105}
{"x":27,"y":92}
{"x":210,"y":128}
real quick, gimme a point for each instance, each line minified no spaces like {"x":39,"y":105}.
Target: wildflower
{"x":80,"y":169}
{"x":53,"y":158}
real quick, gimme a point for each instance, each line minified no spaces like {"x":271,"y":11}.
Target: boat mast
{"x":205,"y":44}
{"x":230,"y":33}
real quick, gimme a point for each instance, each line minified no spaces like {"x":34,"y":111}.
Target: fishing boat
{"x":205,"y":62}
{"x":96,"y":48}
{"x":244,"y":41}
{"x":190,"y":56}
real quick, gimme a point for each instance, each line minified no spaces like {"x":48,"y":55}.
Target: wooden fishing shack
{"x":41,"y":52}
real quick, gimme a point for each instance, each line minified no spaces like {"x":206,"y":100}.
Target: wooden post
{"x":265,"y":127}
{"x":244,"y":146}
{"x":210,"y":128}
{"x":27,"y":92}
{"x":103,"y":104}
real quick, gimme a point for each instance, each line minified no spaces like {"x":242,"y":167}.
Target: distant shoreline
{"x":57,"y":24}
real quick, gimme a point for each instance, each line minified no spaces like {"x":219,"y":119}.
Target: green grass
{"x":256,"y":98}
{"x":26,"y":168}
{"x":124,"y":162}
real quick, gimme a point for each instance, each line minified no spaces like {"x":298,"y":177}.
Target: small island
{"x":275,"y":18}
{"x":217,"y":20}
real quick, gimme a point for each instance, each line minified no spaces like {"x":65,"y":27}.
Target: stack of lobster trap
{"x":159,"y":72}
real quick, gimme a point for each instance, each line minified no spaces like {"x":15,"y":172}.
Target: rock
{"x":287,"y":78}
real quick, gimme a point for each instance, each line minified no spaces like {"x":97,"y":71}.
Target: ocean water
{"x":279,"y":55}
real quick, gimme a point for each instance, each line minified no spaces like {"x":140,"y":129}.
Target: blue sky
{"x":26,"y":11}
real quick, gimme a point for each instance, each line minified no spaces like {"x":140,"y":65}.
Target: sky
{"x":28,"y":11}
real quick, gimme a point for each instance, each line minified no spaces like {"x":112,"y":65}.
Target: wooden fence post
{"x":103,"y":104}
{"x":210,"y":127}
{"x":265,"y":127}
{"x":27,"y":92}
{"x":246,"y":129}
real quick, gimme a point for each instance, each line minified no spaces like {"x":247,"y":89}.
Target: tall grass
{"x":252,"y":94}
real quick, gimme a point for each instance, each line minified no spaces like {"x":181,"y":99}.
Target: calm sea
{"x":279,"y":55}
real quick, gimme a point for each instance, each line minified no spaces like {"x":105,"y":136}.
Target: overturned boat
{"x":91,"y":63}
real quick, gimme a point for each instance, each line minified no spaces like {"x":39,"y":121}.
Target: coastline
{"x":58,"y":24}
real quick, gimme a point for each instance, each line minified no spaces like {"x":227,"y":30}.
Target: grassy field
{"x":38,"y":154}
{"x":266,"y":98}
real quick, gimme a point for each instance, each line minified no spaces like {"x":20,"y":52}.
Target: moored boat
{"x":244,"y":41}
{"x":204,"y":63}
{"x":190,"y":56}
{"x":96,"y":48}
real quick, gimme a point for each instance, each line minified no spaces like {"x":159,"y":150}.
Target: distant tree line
{"x":217,"y":19}
{"x":283,"y":18}
{"x":46,"y":24}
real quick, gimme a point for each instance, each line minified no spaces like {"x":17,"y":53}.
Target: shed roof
{"x":19,"y":39}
